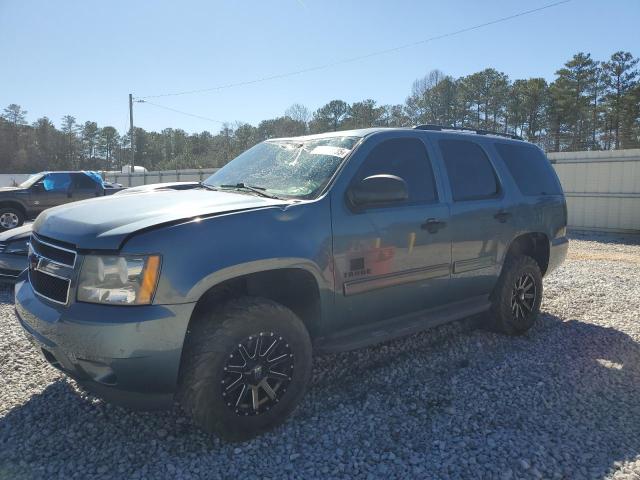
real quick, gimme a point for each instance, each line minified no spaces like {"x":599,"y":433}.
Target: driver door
{"x":54,"y":189}
{"x":390,"y":260}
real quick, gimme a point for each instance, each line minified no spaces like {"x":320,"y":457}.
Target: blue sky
{"x":83,"y":58}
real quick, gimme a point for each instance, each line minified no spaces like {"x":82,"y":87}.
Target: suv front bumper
{"x":128,"y":355}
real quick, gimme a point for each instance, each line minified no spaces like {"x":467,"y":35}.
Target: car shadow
{"x":573,"y":385}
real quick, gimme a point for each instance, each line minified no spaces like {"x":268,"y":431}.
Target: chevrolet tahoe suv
{"x":219,"y":296}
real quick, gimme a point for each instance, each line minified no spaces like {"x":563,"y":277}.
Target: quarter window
{"x":471,"y":175}
{"x":407,"y":159}
{"x":529,"y":168}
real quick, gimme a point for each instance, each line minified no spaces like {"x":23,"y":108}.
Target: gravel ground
{"x":453,"y":402}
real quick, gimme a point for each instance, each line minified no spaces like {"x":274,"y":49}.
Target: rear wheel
{"x":10,"y":217}
{"x":245,"y":368}
{"x":517,"y":296}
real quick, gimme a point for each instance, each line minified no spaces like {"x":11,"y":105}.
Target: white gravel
{"x":562,"y":401}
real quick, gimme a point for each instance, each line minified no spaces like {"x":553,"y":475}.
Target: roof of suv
{"x":363,"y":132}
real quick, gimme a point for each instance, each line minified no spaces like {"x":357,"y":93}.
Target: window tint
{"x":529,"y":168}
{"x":83,"y":182}
{"x":471,"y":175}
{"x":407,"y":159}
{"x":57,"y":182}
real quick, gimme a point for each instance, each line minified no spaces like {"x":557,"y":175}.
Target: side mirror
{"x":38,"y":187}
{"x":377,"y":191}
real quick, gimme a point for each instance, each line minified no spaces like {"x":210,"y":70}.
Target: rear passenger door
{"x":389,"y":260}
{"x":481,"y":223}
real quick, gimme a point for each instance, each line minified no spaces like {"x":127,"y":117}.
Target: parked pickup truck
{"x":49,"y":189}
{"x":219,"y":296}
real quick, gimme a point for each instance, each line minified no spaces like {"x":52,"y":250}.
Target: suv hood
{"x":10,"y":189}
{"x":105,"y":222}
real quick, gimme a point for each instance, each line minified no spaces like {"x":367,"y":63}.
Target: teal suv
{"x":219,"y":296}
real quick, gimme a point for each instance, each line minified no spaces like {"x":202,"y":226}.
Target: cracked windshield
{"x":286,"y":168}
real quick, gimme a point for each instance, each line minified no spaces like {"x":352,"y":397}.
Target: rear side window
{"x":407,"y":159}
{"x":471,"y":175}
{"x":529,"y":168}
{"x":83,"y":182}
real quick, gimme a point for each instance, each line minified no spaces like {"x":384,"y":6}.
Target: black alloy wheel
{"x":523,"y":297}
{"x":257,"y":374}
{"x":516,"y":297}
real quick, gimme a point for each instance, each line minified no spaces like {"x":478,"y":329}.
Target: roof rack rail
{"x":428,"y":126}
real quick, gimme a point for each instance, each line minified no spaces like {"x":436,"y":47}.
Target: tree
{"x":70,"y":130}
{"x":526,"y":107}
{"x":330,"y":116}
{"x":394,"y":116}
{"x":620,"y":78}
{"x":89,"y":138}
{"x":299,"y":113}
{"x":108,"y":138}
{"x":364,"y":114}
{"x":15,"y":115}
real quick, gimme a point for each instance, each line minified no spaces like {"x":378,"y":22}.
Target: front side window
{"x":405,"y":158}
{"x":286,"y":168}
{"x":57,"y":182}
{"x":529,"y":168}
{"x":471,"y":175}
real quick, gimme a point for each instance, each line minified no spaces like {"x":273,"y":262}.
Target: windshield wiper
{"x":258,"y":190}
{"x":208,"y":187}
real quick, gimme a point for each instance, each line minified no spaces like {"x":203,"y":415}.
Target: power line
{"x":180,"y":111}
{"x":361,"y":57}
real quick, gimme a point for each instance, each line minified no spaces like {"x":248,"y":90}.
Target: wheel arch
{"x":14,"y":204}
{"x":297,"y":286}
{"x":533,"y":244}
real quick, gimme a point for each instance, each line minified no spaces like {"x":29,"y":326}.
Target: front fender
{"x":202,"y":253}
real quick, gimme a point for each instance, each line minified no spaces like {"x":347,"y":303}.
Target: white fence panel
{"x":12,"y":179}
{"x":602,"y":189}
{"x":136,"y":179}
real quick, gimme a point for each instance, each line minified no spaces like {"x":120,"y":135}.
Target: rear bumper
{"x":126,"y":355}
{"x":557,"y":253}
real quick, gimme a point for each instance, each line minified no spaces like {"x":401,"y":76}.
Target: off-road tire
{"x":210,"y":342}
{"x":14,"y":212}
{"x":502,"y":315}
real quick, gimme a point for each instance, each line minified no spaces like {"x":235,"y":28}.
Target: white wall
{"x":135,"y":179}
{"x":602,"y":188}
{"x":8,"y":179}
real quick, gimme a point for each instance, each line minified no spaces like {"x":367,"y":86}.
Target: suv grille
{"x":3,"y":245}
{"x":53,"y":288}
{"x":50,"y":269}
{"x":55,"y":253}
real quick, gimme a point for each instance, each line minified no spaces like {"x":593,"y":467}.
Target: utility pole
{"x":131,"y":132}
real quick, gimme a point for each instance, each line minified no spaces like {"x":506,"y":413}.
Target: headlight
{"x":119,"y":280}
{"x":19,"y":247}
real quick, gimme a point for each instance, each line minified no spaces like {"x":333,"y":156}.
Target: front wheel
{"x":245,"y":368}
{"x":517,"y":296}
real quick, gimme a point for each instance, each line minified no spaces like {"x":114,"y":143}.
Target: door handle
{"x":502,"y":216}
{"x":432,"y":225}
